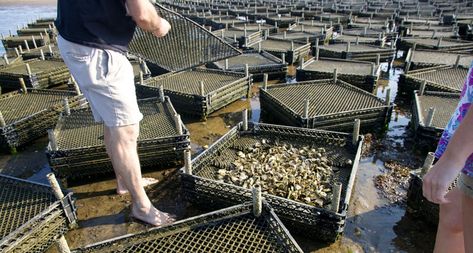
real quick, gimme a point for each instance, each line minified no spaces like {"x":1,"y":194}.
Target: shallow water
{"x":374,"y":224}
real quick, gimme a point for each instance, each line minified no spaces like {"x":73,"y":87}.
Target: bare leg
{"x":121,"y":189}
{"x":467,"y":206}
{"x":121,"y":143}
{"x":450,"y":230}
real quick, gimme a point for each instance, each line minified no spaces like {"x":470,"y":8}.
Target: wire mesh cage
{"x":431,"y":112}
{"x":419,"y":59}
{"x":31,"y":217}
{"x":362,"y":52}
{"x":26,"y":116}
{"x":204,"y":187}
{"x":235,"y":229}
{"x":76,"y":148}
{"x":439,"y":78}
{"x":343,"y":39}
{"x":241,"y":38}
{"x":36,"y":73}
{"x":323,"y":104}
{"x":197,"y":45}
{"x":292,"y":51}
{"x":361,"y":74}
{"x":200,"y":92}
{"x":440,"y":44}
{"x":258,"y":64}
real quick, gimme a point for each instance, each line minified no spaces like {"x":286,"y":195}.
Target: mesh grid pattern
{"x":325,"y":98}
{"x":80,"y":130}
{"x":343,"y":67}
{"x":36,"y":67}
{"x":350,"y":38}
{"x":435,"y":57}
{"x":188,"y":82}
{"x":433,"y":42}
{"x":19,"y":105}
{"x":278,"y":45}
{"x":253,"y":59}
{"x":233,"y":229}
{"x":20,"y":202}
{"x":360,"y":48}
{"x":197,"y":45}
{"x":444,"y":108}
{"x":452,"y":78}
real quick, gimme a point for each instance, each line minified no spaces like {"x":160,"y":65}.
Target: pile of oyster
{"x":298,"y":173}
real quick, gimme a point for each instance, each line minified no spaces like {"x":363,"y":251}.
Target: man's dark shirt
{"x":95,"y":23}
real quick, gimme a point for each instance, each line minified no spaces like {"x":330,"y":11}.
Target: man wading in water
{"x":93,"y":38}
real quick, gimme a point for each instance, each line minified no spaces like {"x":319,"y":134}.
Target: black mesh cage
{"x":185,"y":46}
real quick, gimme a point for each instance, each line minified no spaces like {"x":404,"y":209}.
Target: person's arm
{"x":145,"y":16}
{"x":460,"y":147}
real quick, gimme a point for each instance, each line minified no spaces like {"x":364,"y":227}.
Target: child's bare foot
{"x":151,"y":216}
{"x":146,"y":181}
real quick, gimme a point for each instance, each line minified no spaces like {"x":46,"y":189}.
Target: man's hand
{"x":145,"y":16}
{"x":163,"y":28}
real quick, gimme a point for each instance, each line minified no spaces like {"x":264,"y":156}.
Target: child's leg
{"x":466,"y":184}
{"x":450,"y":230}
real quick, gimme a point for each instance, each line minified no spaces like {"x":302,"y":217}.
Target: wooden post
{"x":378,"y":59}
{"x":23,"y":85}
{"x":429,"y":161}
{"x":247,"y":70}
{"x":257,"y":201}
{"x":245,"y":119}
{"x":62,"y":245}
{"x":301,"y":63}
{"x":17,"y":52}
{"x":142,"y":80}
{"x":226,"y":64}
{"x":52,"y":139}
{"x":2,"y":120}
{"x":356,"y":131}
{"x":283,"y":56}
{"x":336,"y":194}
{"x":292,"y":45}
{"x":50,"y":48}
{"x":265,"y":81}
{"x":430,"y":117}
{"x":317,"y":53}
{"x":335,"y":75}
{"x":67,"y":109}
{"x":439,"y":42}
{"x":348,"y":46}
{"x":177,"y":121}
{"x":187,"y":162}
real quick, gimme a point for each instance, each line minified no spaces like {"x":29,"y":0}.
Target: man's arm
{"x":145,"y":16}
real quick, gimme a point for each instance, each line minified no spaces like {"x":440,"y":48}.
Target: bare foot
{"x":146,"y":181}
{"x":151,"y":216}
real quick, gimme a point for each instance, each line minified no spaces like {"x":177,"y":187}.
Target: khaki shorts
{"x":106,"y":79}
{"x":465,"y":183}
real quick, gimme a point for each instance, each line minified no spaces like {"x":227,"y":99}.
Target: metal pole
{"x":388,"y":96}
{"x":76,"y":86}
{"x":283,"y":56}
{"x":335,"y":75}
{"x":34,"y":42}
{"x":306,"y":108}
{"x":457,"y":62}
{"x":23,"y":85}
{"x":429,"y":161}
{"x":430,"y":117}
{"x":336,"y":195}
{"x":28,"y":69}
{"x":247,"y":70}
{"x":177,"y":121}
{"x":161,"y":93}
{"x":265,"y":81}
{"x":2,"y":120}
{"x":67,"y":109}
{"x":6,"y":59}
{"x":245,"y":119}
{"x":422,"y":88}
{"x":257,"y":200}
{"x":142,"y":80}
{"x":187,"y":162}
{"x":348,"y":46}
{"x":226,"y":64}
{"x":356,"y":131}
{"x":42,"y":54}
{"x":52,"y":139}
